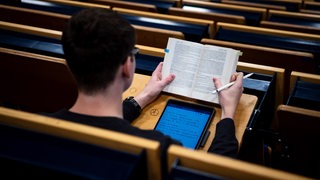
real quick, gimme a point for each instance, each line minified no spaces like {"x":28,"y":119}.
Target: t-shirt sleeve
{"x":225,"y":141}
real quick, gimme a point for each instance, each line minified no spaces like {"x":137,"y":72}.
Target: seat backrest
{"x":36,"y":18}
{"x":299,"y":130}
{"x":66,"y":149}
{"x":211,"y":166}
{"x":126,"y":4}
{"x":252,"y":15}
{"x":269,"y":37}
{"x":34,"y":82}
{"x":81,"y":4}
{"x":162,"y":6}
{"x":149,"y":36}
{"x":155,"y":37}
{"x":23,"y":37}
{"x":37,"y":31}
{"x":45,"y":6}
{"x":290,"y":5}
{"x":216,"y":17}
{"x":292,"y":21}
{"x":255,"y":4}
{"x":311,"y":7}
{"x":304,"y":90}
{"x":192,"y":28}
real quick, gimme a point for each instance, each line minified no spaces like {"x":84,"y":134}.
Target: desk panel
{"x":151,"y":113}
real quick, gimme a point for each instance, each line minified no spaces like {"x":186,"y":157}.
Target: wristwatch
{"x":133,"y":102}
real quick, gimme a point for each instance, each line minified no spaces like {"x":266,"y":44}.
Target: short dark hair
{"x":96,"y":42}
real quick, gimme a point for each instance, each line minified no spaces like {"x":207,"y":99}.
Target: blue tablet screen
{"x":185,"y":122}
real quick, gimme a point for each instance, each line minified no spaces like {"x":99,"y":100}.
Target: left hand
{"x":154,"y":87}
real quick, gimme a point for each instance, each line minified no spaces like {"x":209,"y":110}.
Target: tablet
{"x":186,"y":122}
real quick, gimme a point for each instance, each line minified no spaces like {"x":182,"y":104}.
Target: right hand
{"x":230,"y":97}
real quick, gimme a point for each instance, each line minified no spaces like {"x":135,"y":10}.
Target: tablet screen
{"x":185,"y":122}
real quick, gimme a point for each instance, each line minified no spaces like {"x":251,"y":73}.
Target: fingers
{"x":233,"y":77}
{"x":158,"y":68}
{"x":158,"y":75}
{"x":217,"y":83}
{"x":238,"y":78}
{"x":169,"y":79}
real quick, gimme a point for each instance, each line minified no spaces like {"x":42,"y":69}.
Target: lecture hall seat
{"x":39,"y":147}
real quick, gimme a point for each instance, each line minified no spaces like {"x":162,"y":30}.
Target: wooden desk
{"x":151,"y":113}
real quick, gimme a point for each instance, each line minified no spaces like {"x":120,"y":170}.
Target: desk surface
{"x":151,"y":113}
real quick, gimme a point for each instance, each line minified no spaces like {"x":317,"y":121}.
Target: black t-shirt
{"x":224,"y":143}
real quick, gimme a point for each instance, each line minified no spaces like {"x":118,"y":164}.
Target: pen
{"x":229,"y":84}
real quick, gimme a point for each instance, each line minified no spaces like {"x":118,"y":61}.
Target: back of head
{"x":96,"y":42}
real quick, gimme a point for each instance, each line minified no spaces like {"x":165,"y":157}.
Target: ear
{"x":127,"y":68}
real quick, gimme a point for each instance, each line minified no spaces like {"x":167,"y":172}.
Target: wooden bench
{"x":73,"y":149}
{"x":216,"y":17}
{"x":311,"y":7}
{"x":252,"y":15}
{"x":45,"y":6}
{"x":36,"y":18}
{"x":111,"y":4}
{"x":155,"y":37}
{"x":192,"y":28}
{"x":255,"y":4}
{"x":22,"y":37}
{"x":268,"y":32}
{"x":185,"y":163}
{"x":31,"y":39}
{"x":126,"y":5}
{"x":161,"y":5}
{"x":292,"y":21}
{"x":290,"y":5}
{"x":148,"y":36}
{"x":272,"y":38}
{"x":77,"y":3}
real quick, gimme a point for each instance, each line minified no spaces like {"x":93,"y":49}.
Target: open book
{"x":194,"y":66}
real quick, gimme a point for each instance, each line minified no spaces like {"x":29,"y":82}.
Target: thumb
{"x":168,"y":79}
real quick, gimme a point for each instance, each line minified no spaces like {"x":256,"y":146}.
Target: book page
{"x":182,"y":59}
{"x":194,"y":66}
{"x":216,"y":62}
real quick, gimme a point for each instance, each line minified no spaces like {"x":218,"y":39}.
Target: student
{"x":99,"y":50}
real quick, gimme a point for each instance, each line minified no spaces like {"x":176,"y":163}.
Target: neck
{"x":104,"y":103}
